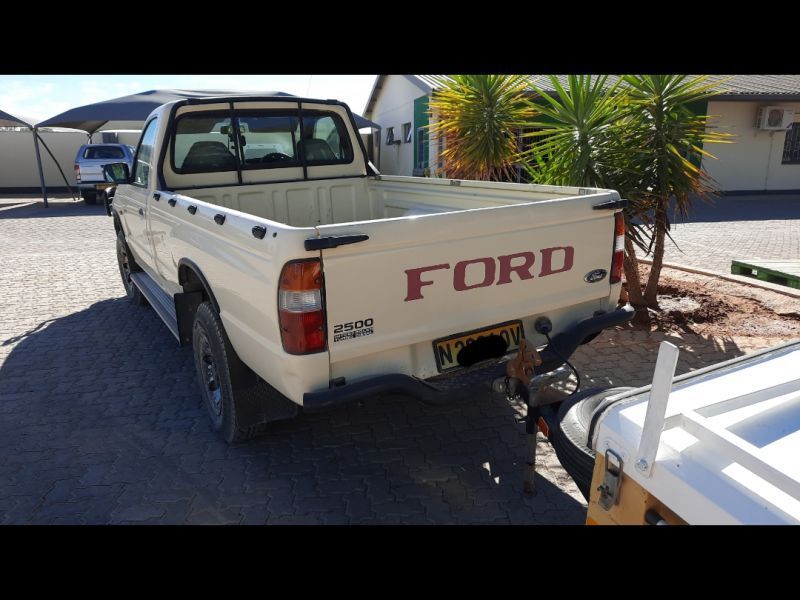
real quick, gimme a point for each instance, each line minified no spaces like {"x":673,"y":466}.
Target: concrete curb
{"x":764,"y":285}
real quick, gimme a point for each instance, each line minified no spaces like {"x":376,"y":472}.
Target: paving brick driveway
{"x":737,"y":227}
{"x":101,"y":420}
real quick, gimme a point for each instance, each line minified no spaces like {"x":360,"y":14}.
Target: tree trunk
{"x":651,"y":291}
{"x":634,"y":284}
{"x":631,"y":265}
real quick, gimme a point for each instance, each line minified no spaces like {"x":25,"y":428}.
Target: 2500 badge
{"x":353,"y":329}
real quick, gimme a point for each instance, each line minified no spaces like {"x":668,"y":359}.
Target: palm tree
{"x":637,"y":136}
{"x":582,"y":142}
{"x":478,"y":118}
{"x":664,"y":125}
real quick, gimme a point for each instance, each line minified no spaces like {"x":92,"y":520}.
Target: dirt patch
{"x":705,"y":305}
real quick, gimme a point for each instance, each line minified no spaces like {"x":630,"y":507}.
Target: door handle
{"x":141,"y":212}
{"x":156,"y":196}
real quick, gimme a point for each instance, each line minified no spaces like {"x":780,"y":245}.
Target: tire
{"x":127,"y":266}
{"x":102,"y":198}
{"x":89,"y":197}
{"x":570,"y":436}
{"x":213,"y":355}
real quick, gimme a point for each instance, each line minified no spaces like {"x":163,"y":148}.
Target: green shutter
{"x":421,"y":120}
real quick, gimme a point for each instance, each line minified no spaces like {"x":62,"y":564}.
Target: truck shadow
{"x":102,"y":422}
{"x":34,"y":209}
{"x":627,"y":356}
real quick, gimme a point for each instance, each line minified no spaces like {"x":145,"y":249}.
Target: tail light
{"x":619,"y":248}
{"x":77,"y":172}
{"x":301,"y":314}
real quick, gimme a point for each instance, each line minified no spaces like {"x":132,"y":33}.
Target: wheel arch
{"x":197,"y":290}
{"x":191,"y":279}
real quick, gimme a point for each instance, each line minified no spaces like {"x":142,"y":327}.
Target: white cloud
{"x":29,"y":99}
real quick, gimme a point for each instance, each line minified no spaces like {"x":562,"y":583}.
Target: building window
{"x":389,"y":135}
{"x":791,"y":147}
{"x":422,"y":142}
{"x":407,"y":133}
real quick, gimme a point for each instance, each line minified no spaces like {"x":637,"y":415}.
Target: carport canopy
{"x":9,"y":120}
{"x":130,"y":112}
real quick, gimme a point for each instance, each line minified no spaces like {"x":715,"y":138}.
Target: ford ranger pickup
{"x":263,"y":237}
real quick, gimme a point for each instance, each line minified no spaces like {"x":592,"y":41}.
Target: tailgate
{"x":92,"y":170}
{"x":417,"y":279}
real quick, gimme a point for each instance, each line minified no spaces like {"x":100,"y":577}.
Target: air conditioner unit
{"x":774,"y":118}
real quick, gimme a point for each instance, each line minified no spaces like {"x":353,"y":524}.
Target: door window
{"x":144,"y":161}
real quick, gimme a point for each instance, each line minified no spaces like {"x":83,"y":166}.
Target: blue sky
{"x":43,"y":96}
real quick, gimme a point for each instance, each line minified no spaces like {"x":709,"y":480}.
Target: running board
{"x":161,"y":302}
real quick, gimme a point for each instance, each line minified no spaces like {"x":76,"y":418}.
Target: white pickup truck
{"x":716,"y":446}
{"x":261,"y":234}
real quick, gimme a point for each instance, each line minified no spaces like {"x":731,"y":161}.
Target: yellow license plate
{"x":446,"y":349}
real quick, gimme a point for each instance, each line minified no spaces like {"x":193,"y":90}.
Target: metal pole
{"x":656,"y":408}
{"x":39,"y":164}
{"x":532,"y":428}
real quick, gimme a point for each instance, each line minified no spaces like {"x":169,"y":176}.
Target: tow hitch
{"x":520,"y":382}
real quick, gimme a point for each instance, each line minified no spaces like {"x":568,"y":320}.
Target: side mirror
{"x":116,"y":173}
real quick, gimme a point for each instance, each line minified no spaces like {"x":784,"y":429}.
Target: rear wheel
{"x":570,"y":436}
{"x":127,"y":266}
{"x":213,"y":356}
{"x":89,"y":197}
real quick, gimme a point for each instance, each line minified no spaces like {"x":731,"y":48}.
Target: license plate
{"x":446,"y":349}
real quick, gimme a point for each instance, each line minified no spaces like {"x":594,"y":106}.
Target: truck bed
{"x":409,"y":225}
{"x":348,"y":200}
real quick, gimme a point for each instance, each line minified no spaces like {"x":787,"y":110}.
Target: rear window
{"x":96,"y":152}
{"x":266,"y":139}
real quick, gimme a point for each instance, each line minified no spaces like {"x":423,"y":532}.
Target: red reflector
{"x":619,"y":224}
{"x":303,"y":333}
{"x":543,"y":427}
{"x":618,"y":256}
{"x":301,"y":315}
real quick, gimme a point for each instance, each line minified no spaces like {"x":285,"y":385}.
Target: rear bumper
{"x":94,"y":185}
{"x":439,"y":390}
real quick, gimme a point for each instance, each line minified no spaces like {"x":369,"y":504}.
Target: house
{"x":762,"y":111}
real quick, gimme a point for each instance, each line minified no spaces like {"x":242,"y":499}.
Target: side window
{"x":143,"y":163}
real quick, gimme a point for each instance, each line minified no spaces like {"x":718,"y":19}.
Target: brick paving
{"x":101,"y":420}
{"x":737,"y":228}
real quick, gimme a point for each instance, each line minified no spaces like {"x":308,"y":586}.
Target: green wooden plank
{"x":764,"y":273}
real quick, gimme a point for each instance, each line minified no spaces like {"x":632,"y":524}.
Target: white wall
{"x":753,"y":162}
{"x":395,"y":106}
{"x":18,"y":157}
{"x":18,"y":164}
{"x":126,"y":137}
